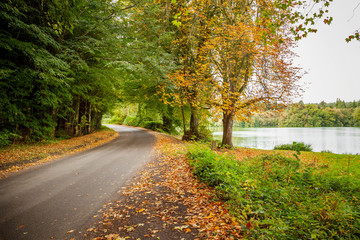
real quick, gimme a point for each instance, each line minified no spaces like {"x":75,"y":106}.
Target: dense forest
{"x":174,"y":64}
{"x":65,"y":63}
{"x":337,"y":114}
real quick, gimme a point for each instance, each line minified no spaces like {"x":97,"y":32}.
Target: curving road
{"x":49,"y":201}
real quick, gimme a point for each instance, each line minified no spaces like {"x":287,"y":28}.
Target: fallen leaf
{"x":140,"y":210}
{"x":21,"y":226}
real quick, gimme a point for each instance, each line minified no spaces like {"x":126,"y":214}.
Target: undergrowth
{"x":278,"y":197}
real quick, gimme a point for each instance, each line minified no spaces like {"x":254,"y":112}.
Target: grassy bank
{"x":284,"y":195}
{"x":18,"y":156}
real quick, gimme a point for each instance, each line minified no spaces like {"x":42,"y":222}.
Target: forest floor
{"x":16,"y":157}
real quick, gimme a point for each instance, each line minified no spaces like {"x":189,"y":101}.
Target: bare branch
{"x":354,"y":11}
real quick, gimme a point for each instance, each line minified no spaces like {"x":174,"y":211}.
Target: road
{"x":49,"y":201}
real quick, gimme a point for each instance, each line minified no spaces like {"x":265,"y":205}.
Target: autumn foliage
{"x":235,"y":57}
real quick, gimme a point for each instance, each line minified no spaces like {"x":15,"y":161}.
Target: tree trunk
{"x":194,"y":123}
{"x":77,"y":118}
{"x":193,"y":133}
{"x":167,"y":123}
{"x":90,"y":120}
{"x":227,"y":130}
{"x":183,"y":118}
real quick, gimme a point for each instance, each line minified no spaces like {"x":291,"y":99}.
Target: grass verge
{"x":18,"y":156}
{"x":283,"y":195}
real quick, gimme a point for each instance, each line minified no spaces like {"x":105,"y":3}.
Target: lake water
{"x":336,"y":140}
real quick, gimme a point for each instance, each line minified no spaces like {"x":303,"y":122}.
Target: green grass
{"x":279,"y":197}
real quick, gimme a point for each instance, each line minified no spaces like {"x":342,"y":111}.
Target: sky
{"x":332,"y":64}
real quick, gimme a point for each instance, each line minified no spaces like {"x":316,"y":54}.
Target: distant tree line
{"x":336,"y":114}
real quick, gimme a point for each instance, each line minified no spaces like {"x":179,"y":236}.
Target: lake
{"x":334,"y":139}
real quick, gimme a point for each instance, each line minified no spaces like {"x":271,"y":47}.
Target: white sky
{"x":333,"y":65}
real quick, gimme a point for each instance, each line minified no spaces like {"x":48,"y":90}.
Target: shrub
{"x":117,"y":119}
{"x":152,"y":125}
{"x":6,"y":137}
{"x":295,"y":146}
{"x":131,"y":121}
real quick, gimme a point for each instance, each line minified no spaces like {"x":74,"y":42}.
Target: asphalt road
{"x":49,"y":201}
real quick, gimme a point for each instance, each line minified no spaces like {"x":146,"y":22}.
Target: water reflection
{"x":336,"y":140}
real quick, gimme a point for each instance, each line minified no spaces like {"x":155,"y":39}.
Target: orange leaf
{"x":187,"y":230}
{"x":140,"y":210}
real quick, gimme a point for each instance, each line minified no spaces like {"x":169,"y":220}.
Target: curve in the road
{"x":48,"y":202}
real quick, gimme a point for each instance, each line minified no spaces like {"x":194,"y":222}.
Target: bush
{"x":152,"y":125}
{"x":280,"y":199}
{"x":131,"y":121}
{"x":6,"y":137}
{"x":117,"y":119}
{"x":295,"y":146}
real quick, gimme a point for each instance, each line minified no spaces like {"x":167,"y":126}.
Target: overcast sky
{"x":333,"y":65}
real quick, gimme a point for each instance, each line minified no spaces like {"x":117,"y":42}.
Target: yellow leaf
{"x":140,"y":210}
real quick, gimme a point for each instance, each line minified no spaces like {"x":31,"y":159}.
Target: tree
{"x":339,"y":103}
{"x":55,"y":72}
{"x":145,"y":60}
{"x":90,"y":49}
{"x":35,"y":80}
{"x":250,"y":59}
{"x":356,"y":115}
{"x":188,"y":87}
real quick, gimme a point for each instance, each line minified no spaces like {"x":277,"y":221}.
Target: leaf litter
{"x":165,"y":201}
{"x":16,"y":157}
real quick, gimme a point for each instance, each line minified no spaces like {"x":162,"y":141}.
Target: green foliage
{"x":7,"y":137}
{"x":278,"y":198}
{"x":55,"y":72}
{"x":132,"y":121}
{"x":152,"y":125}
{"x":34,"y":80}
{"x":356,"y":115}
{"x":205,"y":133}
{"x":118,"y":119}
{"x":295,"y":146}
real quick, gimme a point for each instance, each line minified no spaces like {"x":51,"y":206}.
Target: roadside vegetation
{"x":284,"y":195}
{"x":18,"y":156}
